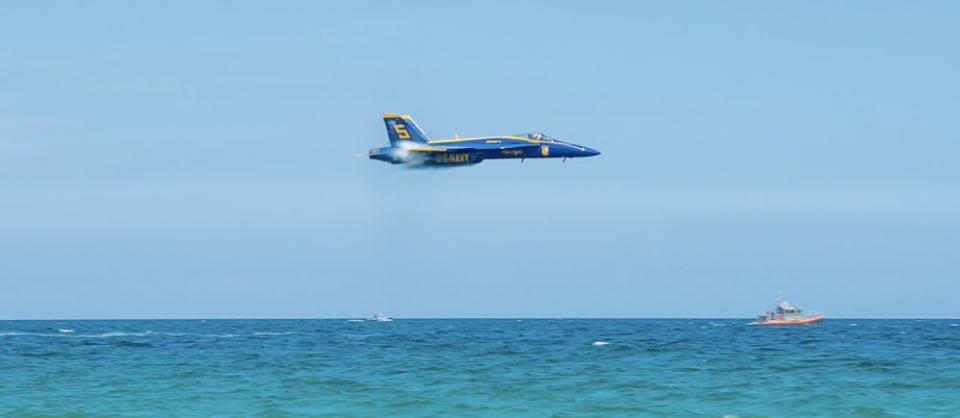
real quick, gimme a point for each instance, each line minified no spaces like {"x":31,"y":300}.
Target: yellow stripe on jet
{"x":479,"y":138}
{"x":427,"y":149}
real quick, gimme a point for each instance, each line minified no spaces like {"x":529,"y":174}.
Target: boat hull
{"x":804,"y":321}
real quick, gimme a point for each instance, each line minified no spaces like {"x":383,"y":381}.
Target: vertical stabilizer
{"x":401,"y":128}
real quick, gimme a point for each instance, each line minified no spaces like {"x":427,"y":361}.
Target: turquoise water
{"x":479,"y":368}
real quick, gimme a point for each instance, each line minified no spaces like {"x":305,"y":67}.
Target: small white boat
{"x":787,"y":314}
{"x":380,"y":318}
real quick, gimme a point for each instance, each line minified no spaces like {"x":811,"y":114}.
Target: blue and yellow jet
{"x":409,"y":145}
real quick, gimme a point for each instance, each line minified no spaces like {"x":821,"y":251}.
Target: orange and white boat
{"x":787,"y":314}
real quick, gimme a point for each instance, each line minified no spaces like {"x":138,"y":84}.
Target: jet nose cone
{"x":589,"y":152}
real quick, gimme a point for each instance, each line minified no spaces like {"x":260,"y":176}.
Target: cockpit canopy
{"x":537,"y":136}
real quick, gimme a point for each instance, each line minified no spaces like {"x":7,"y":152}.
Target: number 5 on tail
{"x":401,"y":131}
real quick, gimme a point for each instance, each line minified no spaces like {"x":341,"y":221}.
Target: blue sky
{"x":195,"y":159}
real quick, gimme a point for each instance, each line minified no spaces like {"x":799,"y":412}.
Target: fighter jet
{"x":409,"y":145}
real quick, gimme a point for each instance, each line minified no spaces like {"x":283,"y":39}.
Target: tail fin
{"x":402,"y":128}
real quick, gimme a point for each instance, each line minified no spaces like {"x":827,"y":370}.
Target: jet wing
{"x":445,"y":155}
{"x":474,"y":154}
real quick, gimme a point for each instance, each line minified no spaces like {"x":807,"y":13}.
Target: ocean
{"x":479,"y":367}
